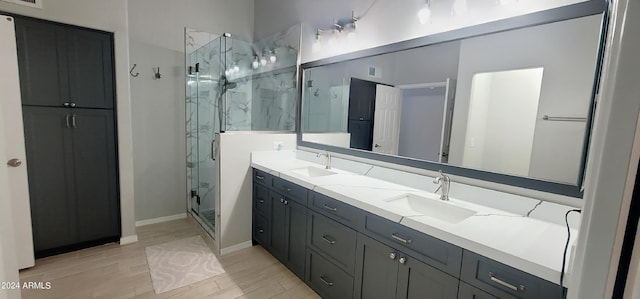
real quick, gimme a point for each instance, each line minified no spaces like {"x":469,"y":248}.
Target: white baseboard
{"x":128,"y":240}
{"x":236,"y":247}
{"x":161,"y":219}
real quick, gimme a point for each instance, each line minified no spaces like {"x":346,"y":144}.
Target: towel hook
{"x":131,"y":71}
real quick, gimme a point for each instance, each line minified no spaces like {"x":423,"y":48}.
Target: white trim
{"x":422,"y":85}
{"x":161,"y":219}
{"x":128,"y":240}
{"x":236,"y":247}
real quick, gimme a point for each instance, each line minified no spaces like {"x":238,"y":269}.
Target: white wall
{"x":108,"y":16}
{"x":421,"y":123}
{"x":569,"y":67}
{"x":502,"y":121}
{"x":385,"y":22}
{"x":233,"y":226}
{"x":157,"y":40}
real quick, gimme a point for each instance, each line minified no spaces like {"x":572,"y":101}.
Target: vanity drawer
{"x":432,"y":251}
{"x":497,"y":278}
{"x":262,"y":177}
{"x":326,"y":279}
{"x":290,"y":190}
{"x":260,"y":197}
{"x":260,"y":233}
{"x":335,"y":240}
{"x":337,"y":210}
{"x":466,"y":291}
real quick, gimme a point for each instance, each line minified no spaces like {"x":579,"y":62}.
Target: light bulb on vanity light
{"x":255,"y":64}
{"x":272,"y":57}
{"x":236,"y":68}
{"x":263,"y":61}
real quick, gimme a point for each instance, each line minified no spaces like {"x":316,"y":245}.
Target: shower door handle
{"x":213,"y":151}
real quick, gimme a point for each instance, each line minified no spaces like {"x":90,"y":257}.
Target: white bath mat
{"x":180,"y":263}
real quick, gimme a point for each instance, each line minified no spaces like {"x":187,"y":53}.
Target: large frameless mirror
{"x":511,"y":107}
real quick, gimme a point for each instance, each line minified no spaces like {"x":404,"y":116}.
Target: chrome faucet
{"x":327,"y":161}
{"x":444,"y":182}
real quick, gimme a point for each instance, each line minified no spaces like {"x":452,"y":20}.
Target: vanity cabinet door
{"x":288,"y":231}
{"x":419,"y":280}
{"x":376,"y":270}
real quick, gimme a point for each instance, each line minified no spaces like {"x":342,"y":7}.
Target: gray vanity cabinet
{"x":468,"y":292}
{"x":385,"y":272}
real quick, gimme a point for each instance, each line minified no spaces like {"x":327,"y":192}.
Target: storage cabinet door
{"x":419,"y":280}
{"x":376,"y":270}
{"x":296,"y":228}
{"x":49,"y":160}
{"x":95,"y":163}
{"x":277,"y":222}
{"x":362,"y":98}
{"x":42,"y":56}
{"x":90,"y":68}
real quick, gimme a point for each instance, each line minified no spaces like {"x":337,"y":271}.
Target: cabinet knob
{"x":66,"y":104}
{"x":72,"y":104}
{"x":393,"y":255}
{"x":402,"y":260}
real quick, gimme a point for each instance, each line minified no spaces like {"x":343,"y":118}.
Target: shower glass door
{"x":203,"y":90}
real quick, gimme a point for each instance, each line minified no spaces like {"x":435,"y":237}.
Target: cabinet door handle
{"x":73,"y":121}
{"x":66,"y":104}
{"x":503,"y":283}
{"x":72,"y":105}
{"x":261,"y":201}
{"x":328,"y":239}
{"x":261,"y":231}
{"x":326,"y":281}
{"x":401,"y":239}
{"x":393,"y":255}
{"x":332,"y":209}
{"x":66,"y":118}
{"x":259,"y":177}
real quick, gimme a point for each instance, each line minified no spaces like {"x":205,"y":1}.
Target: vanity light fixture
{"x":424,"y":14}
{"x":339,"y":27}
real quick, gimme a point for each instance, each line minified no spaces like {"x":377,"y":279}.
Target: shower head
{"x":226,"y":85}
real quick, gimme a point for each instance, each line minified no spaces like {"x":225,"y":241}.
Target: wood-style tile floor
{"x":114,"y":271}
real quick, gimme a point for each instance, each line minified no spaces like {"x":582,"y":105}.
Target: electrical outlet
{"x":278,"y":145}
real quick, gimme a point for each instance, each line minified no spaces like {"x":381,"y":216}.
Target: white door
{"x":447,"y":120}
{"x":386,"y":120}
{"x":14,"y":159}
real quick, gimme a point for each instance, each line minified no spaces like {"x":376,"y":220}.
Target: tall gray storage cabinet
{"x":67,"y":87}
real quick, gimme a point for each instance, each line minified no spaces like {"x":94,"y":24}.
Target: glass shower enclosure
{"x":231,"y":85}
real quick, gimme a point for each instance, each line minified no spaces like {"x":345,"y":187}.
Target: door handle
{"x":213,"y":154}
{"x":14,"y":162}
{"x":66,"y":118}
{"x":73,"y":121}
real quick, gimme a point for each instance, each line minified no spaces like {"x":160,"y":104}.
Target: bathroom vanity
{"x":352,"y":236}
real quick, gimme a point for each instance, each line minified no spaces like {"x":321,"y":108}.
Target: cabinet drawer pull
{"x":332,"y":209}
{"x":261,"y":201}
{"x":503,"y":283}
{"x":328,"y":239}
{"x":401,"y":239}
{"x":327,"y":282}
{"x":261,"y":231}
{"x":259,"y":177}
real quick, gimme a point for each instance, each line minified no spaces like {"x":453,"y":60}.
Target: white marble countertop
{"x":527,"y":244}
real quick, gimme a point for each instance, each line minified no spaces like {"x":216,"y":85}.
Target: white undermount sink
{"x":415,"y":205}
{"x":312,"y":171}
